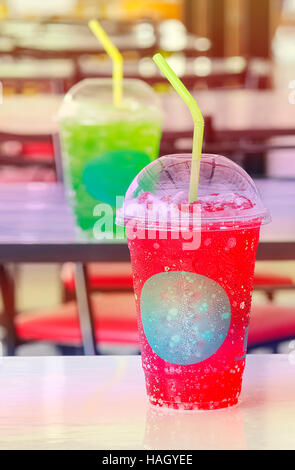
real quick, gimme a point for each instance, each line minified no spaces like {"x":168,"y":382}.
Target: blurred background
{"x":237,"y":56}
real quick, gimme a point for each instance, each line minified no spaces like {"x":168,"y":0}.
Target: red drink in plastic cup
{"x":193,"y":298}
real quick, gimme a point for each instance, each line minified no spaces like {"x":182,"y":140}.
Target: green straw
{"x":198,"y":123}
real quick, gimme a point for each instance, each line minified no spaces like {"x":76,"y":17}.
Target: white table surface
{"x":100,"y":403}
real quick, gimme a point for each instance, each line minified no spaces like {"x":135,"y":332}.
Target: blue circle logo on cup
{"x":185,"y":316}
{"x":109,"y":175}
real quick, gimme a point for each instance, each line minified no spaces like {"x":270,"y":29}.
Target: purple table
{"x":36,"y":226}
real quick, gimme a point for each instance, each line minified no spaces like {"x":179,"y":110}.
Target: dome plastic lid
{"x":91,"y":102}
{"x":227,"y":196}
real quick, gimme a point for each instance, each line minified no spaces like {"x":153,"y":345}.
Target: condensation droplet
{"x":231,"y":242}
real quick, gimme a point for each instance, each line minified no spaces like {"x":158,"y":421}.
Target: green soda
{"x":104,"y":148}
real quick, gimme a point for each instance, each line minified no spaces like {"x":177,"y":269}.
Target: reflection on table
{"x":100,"y":403}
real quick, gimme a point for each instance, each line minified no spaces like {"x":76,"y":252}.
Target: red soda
{"x":205,"y":293}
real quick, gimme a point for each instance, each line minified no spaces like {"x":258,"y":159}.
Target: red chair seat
{"x":118,"y":276}
{"x":115,"y":322}
{"x":104,"y":276}
{"x":38,"y":151}
{"x":271,"y":323}
{"x":272,"y":280}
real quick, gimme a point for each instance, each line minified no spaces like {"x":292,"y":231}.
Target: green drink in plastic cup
{"x":104,"y":147}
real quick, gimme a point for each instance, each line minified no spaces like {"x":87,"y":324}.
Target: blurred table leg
{"x":84,"y":308}
{"x":9,"y":311}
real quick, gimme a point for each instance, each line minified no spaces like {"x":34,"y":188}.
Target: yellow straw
{"x":198,"y":123}
{"x":116,"y":57}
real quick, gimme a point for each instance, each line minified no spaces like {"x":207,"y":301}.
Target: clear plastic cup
{"x":103,"y":146}
{"x":193,"y":268}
